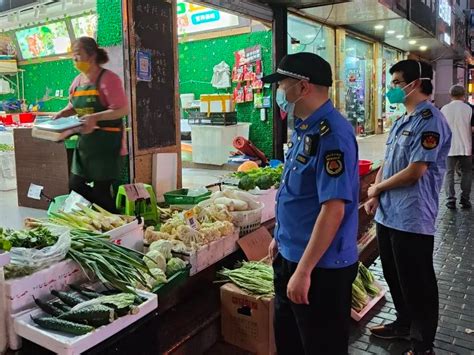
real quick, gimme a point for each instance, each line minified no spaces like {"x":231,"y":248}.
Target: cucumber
{"x":63,"y":325}
{"x":71,"y":299}
{"x":48,"y":308}
{"x":90,"y":294}
{"x":95,"y":314}
{"x":60,"y":305}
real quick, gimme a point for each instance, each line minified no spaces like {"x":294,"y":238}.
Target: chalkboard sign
{"x":154,"y":34}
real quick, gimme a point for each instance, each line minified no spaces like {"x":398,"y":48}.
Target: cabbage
{"x":164,"y":247}
{"x":154,"y":259}
{"x":174,"y":265}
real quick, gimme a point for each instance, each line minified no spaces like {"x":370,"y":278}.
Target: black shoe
{"x":413,"y":352}
{"x":465,"y":204}
{"x":451,"y":205}
{"x":391,"y":331}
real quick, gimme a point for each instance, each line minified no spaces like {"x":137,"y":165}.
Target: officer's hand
{"x":273,"y":249}
{"x":371,"y":205}
{"x":373,"y":191}
{"x":298,"y":287}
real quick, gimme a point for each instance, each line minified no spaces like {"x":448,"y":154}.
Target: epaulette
{"x":324,"y":128}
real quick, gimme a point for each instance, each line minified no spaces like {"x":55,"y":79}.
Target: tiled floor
{"x":454,"y":266}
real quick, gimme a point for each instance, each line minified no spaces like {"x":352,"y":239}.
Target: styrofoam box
{"x":267,"y":198}
{"x":357,"y":316}
{"x":211,"y":253}
{"x":213,"y":144}
{"x":129,"y":235}
{"x":7,"y":171}
{"x":65,"y":344}
{"x":19,"y":292}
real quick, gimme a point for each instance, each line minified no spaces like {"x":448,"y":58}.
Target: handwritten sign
{"x":136,"y":192}
{"x":155,"y":103}
{"x":255,"y":245}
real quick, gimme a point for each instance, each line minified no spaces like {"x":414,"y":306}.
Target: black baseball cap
{"x":302,"y":66}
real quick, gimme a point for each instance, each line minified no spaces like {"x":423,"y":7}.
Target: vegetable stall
{"x":106,"y":273}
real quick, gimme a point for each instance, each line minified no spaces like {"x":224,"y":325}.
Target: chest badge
{"x":429,"y":140}
{"x":304,"y":127}
{"x":334,"y":163}
{"x":406,"y":133}
{"x":290,"y":144}
{"x":302,"y":159}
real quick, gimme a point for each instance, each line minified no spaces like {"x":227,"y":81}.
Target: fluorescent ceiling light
{"x":412,"y":41}
{"x":378,"y":27}
{"x":390,"y":32}
{"x":423,"y":48}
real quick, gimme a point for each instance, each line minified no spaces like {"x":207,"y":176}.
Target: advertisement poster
{"x":143,"y":65}
{"x":85,"y":26}
{"x":45,"y":40}
{"x":194,"y":18}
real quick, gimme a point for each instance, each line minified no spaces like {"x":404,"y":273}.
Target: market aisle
{"x":372,"y":147}
{"x":454,"y":264}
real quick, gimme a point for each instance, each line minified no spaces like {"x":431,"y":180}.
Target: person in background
{"x":97,"y":96}
{"x":459,"y":115}
{"x":315,"y":246}
{"x":405,"y":196}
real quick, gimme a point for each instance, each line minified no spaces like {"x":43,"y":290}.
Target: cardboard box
{"x":247,"y":321}
{"x":216,"y":103}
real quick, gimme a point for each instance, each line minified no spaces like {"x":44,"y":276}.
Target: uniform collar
{"x":316,"y":116}
{"x":420,"y":107}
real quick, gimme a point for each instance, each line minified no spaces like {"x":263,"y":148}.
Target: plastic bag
{"x":25,"y":261}
{"x":221,"y":76}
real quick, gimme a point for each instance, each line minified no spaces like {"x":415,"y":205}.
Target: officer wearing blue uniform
{"x":406,"y":193}
{"x":315,"y":245}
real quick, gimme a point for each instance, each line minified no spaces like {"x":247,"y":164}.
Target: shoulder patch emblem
{"x":334,"y":163}
{"x":429,"y":140}
{"x":324,"y":128}
{"x":426,"y":114}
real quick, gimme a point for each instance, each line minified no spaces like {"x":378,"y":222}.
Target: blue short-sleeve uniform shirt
{"x":423,"y":136}
{"x":326,"y":169}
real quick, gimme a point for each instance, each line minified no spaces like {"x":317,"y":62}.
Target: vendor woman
{"x":97,"y":96}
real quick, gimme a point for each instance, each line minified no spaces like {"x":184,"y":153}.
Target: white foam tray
{"x":64,"y":344}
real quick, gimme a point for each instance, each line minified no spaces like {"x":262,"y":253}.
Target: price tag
{"x":190,"y":219}
{"x":35,"y":191}
{"x":136,"y":191}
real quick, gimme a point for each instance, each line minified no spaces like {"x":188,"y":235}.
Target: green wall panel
{"x":109,"y":30}
{"x":196,"y":62}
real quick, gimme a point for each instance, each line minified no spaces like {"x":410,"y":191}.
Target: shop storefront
{"x":388,"y":112}
{"x":358,"y":84}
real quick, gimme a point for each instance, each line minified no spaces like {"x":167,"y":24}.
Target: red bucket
{"x":7,"y":120}
{"x":26,"y":118}
{"x":364,"y":167}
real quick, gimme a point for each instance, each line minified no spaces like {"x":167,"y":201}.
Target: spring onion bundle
{"x":112,"y":264}
{"x":255,"y":277}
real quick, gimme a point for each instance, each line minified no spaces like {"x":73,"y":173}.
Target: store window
{"x":358,"y":79}
{"x":310,"y":36}
{"x":306,"y":36}
{"x":390,"y":112}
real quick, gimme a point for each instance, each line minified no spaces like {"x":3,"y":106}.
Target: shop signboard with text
{"x":194,"y":18}
{"x":423,"y":13}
